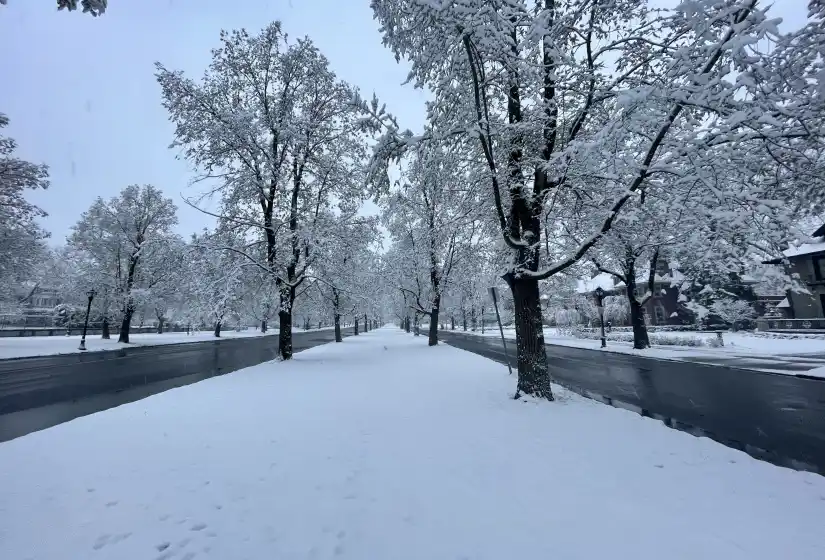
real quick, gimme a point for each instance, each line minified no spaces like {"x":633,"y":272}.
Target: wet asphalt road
{"x":777,"y":417}
{"x":40,"y":392}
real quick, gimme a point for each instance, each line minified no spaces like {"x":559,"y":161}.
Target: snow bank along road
{"x":382,"y":448}
{"x":776,"y":417}
{"x":39,"y":392}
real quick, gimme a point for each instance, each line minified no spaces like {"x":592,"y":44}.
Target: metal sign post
{"x":494,"y":295}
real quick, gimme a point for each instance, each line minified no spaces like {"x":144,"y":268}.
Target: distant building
{"x":663,"y":308}
{"x":807,"y":262}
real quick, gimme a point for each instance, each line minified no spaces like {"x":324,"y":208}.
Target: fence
{"x":791,"y":325}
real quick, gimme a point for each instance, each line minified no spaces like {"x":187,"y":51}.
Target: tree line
{"x":562,"y":139}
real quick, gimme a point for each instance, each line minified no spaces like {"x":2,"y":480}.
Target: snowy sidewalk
{"x":382,"y":448}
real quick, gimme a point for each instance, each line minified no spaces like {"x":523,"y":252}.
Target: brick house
{"x":807,"y":263}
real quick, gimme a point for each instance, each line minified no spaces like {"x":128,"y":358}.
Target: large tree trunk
{"x":452,"y":323}
{"x":336,"y":315}
{"x":433,"y":340}
{"x":217,"y":329}
{"x":407,"y":324}
{"x":160,"y":325}
{"x":126,"y":324}
{"x":355,"y":326}
{"x":482,"y":320}
{"x":106,"y":335}
{"x":637,"y":320}
{"x":287,"y":297}
{"x":637,"y":317}
{"x":263,"y":325}
{"x":531,"y":357}
{"x":473,"y":320}
{"x":285,"y":335}
{"x":464,"y":319}
{"x":366,"y":323}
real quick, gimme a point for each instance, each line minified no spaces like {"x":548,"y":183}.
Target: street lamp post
{"x":91,"y":295}
{"x":600,"y":303}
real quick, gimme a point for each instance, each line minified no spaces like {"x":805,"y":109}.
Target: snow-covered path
{"x":382,"y":448}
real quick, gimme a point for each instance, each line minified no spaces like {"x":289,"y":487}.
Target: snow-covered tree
{"x":125,"y":247}
{"x":276,"y":129}
{"x":21,"y":237}
{"x":578,"y":105}
{"x":436,"y":215}
{"x":91,"y":7}
{"x":733,"y":311}
{"x":215,"y":278}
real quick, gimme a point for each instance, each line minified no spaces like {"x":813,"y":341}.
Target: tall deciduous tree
{"x":274,"y":126}
{"x":126,"y":246}
{"x":21,"y":238}
{"x":593,"y":101}
{"x":435,"y":213}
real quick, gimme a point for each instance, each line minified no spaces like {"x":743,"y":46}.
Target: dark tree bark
{"x":355,"y":327}
{"x":285,"y":335}
{"x":482,"y":320}
{"x":217,"y":329}
{"x":641,"y":340}
{"x":336,"y":314}
{"x":287,"y":299}
{"x":263,"y":326}
{"x":106,"y":335}
{"x":433,"y":340}
{"x":366,"y":323}
{"x":160,"y":325}
{"x":531,"y":357}
{"x":473,"y":320}
{"x":464,"y":319}
{"x":129,"y":307}
{"x":407,"y":324}
{"x":452,"y":322}
{"x":126,"y":324}
{"x":637,"y":320}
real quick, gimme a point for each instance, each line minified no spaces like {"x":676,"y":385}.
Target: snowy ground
{"x":805,"y":354}
{"x":382,"y":448}
{"x":19,"y":347}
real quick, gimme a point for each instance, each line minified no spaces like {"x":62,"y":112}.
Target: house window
{"x":819,"y":267}
{"x":661,"y":318}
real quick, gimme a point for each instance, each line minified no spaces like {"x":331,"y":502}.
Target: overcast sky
{"x":81,"y":94}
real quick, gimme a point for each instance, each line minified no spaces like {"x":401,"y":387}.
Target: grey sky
{"x":81,"y":94}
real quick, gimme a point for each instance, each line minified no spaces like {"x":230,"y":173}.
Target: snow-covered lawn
{"x":757,"y":352}
{"x":382,"y":448}
{"x":19,"y":347}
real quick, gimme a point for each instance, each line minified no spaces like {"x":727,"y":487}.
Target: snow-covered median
{"x":378,"y":448}
{"x":25,"y":346}
{"x":752,"y":351}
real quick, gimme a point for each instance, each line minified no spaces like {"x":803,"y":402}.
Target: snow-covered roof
{"x":805,"y":249}
{"x":641,"y":280}
{"x":784,"y":303}
{"x":589,"y":285}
